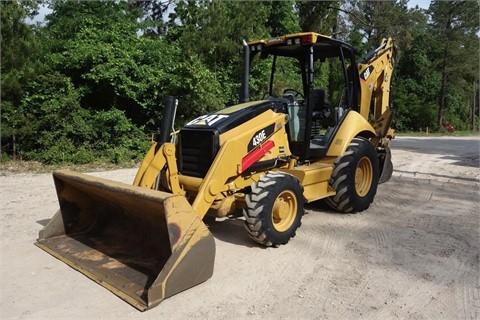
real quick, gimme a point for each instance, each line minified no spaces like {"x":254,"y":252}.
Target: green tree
{"x":154,"y":12}
{"x":96,"y":44}
{"x":99,"y":75}
{"x":19,"y":64}
{"x":414,"y":94}
{"x":62,"y":131}
{"x":282,"y":18}
{"x":455,"y":26}
{"x":319,"y":16}
{"x":212,"y":31}
{"x":58,"y":127}
{"x":415,"y":77}
{"x":371,"y":21}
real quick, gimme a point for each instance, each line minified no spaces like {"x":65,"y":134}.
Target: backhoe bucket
{"x":141,"y":244}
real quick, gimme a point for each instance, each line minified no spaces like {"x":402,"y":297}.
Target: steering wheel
{"x":296,"y":94}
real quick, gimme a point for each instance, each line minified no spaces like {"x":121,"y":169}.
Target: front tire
{"x":274,"y":209}
{"x":355,"y":177}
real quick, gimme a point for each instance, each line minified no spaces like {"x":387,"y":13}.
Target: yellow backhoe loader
{"x":321,"y":132}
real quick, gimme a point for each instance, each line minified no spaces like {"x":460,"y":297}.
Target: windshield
{"x":288,"y":75}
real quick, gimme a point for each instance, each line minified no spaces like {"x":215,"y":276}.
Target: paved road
{"x":465,"y":150}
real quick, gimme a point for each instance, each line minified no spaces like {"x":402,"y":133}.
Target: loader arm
{"x":231,"y":161}
{"x":153,"y":163}
{"x":211,"y":185}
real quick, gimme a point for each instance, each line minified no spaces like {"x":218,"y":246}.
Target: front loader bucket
{"x":141,"y":244}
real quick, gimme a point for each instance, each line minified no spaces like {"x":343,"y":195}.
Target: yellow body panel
{"x":314,"y":178}
{"x":225,"y":171}
{"x":227,"y":166}
{"x":244,"y":132}
{"x":353,"y":125}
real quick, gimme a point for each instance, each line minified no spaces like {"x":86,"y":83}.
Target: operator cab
{"x":311,"y":73}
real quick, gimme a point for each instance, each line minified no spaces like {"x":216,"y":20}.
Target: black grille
{"x":198,"y":148}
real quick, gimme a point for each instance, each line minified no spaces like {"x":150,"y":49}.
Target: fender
{"x":353,"y":125}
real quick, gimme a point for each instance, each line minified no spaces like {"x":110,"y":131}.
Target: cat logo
{"x":207,"y":120}
{"x":366,"y":73}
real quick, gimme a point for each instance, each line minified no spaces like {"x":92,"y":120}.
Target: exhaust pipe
{"x":244,"y":94}
{"x":166,"y":126}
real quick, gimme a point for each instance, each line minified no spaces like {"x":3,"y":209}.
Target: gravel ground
{"x":414,"y":254}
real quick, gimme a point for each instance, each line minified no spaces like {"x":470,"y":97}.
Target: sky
{"x":424,"y":4}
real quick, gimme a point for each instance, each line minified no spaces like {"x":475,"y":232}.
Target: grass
{"x":437,"y":134}
{"x":12,"y":167}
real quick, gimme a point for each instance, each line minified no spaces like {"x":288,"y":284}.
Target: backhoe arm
{"x":375,"y":71}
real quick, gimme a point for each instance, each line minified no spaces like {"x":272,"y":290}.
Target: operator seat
{"x":321,"y":110}
{"x":321,"y":104}
{"x":320,"y":116}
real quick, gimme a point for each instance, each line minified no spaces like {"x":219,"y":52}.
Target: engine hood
{"x":231,"y":117}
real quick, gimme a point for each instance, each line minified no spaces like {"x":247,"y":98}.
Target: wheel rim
{"x":363,"y":176}
{"x":284,"y":211}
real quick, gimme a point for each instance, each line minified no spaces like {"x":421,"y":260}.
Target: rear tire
{"x":355,"y":177}
{"x":274,"y":209}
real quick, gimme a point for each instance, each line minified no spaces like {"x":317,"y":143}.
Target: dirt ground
{"x":414,"y":254}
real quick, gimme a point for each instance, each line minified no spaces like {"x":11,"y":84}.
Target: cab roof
{"x":293,"y":45}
